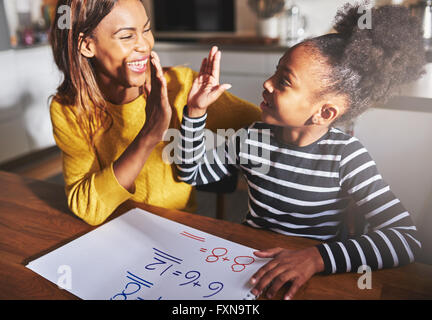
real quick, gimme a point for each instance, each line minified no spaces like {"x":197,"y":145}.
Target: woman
{"x":114,"y":105}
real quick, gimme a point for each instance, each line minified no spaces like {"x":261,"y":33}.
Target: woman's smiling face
{"x":122,"y":45}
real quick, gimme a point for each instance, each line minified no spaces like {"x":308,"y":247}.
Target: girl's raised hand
{"x":206,"y":88}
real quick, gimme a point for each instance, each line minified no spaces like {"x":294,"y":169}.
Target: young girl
{"x":315,"y":170}
{"x":109,"y":117}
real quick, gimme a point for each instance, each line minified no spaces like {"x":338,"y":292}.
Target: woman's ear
{"x":86,"y":46}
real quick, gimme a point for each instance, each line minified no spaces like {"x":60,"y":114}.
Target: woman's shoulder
{"x":62,"y":112}
{"x":179,"y":76}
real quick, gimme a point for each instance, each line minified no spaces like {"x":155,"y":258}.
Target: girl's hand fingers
{"x":267,"y":278}
{"x":262,"y":271}
{"x":210,"y":59}
{"x":216,"y":66}
{"x":217,"y":92}
{"x":295,"y":286}
{"x":268,"y":253}
{"x":279,"y":281}
{"x":203,"y":66}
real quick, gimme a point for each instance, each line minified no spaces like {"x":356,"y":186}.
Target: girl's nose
{"x":268,"y":85}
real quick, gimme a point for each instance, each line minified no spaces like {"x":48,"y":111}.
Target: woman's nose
{"x":143,"y":44}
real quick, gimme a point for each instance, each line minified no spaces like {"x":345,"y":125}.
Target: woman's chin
{"x":136,"y":80}
{"x":136,"y":83}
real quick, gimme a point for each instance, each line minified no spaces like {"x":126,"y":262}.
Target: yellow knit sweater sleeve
{"x":93,"y":192}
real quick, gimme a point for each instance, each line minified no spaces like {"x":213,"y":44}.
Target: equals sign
{"x":137,"y":279}
{"x":177,"y":273}
{"x":192,"y":236}
{"x":203,"y":249}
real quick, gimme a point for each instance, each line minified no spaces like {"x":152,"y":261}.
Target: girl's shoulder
{"x":340,"y":142}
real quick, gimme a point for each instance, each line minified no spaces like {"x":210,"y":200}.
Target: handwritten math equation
{"x":220,"y":254}
{"x":167,"y":265}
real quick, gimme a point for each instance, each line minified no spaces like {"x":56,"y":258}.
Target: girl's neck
{"x":302,"y":137}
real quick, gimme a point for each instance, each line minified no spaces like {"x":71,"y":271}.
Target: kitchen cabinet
{"x":245,"y":69}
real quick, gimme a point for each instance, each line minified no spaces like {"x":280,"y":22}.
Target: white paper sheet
{"x":140,"y":255}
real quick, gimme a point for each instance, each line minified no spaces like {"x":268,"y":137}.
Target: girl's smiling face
{"x":121,"y":45}
{"x":291,"y":95}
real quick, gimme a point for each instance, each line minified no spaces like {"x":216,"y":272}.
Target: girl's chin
{"x":266,"y":118}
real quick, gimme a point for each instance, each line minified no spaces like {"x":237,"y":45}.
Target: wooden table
{"x":34,"y":220}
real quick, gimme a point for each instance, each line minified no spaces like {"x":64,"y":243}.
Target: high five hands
{"x":206,"y":88}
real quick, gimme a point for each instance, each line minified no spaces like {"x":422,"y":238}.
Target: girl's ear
{"x":326,"y":114}
{"x":330,"y":112}
{"x":86,"y":46}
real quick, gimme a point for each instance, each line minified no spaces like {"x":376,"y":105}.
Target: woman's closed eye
{"x":131,"y":35}
{"x":126,"y":37}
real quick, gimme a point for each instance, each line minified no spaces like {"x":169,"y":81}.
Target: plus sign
{"x":196,"y":284}
{"x":225,"y":259}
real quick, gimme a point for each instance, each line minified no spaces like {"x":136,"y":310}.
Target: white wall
{"x":400,"y":143}
{"x":27,"y":78}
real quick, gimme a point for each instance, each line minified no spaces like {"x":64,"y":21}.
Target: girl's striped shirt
{"x":305,"y":191}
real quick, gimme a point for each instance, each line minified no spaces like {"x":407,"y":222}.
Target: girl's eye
{"x":147,"y":30}
{"x":285,"y":83}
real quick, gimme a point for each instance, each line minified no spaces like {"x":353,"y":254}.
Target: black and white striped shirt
{"x":305,"y":191}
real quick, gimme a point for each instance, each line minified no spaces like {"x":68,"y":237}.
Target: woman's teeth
{"x":137,"y":65}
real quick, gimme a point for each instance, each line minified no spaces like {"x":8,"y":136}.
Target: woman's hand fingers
{"x":158,"y":69}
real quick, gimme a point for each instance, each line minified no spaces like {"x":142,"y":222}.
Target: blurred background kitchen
{"x":253,"y":34}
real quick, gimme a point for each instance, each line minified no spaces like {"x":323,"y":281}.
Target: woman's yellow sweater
{"x":92,"y":189}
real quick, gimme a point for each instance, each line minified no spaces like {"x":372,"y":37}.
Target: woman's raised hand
{"x":158,"y":116}
{"x":158,"y":108}
{"x":206,"y":88}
